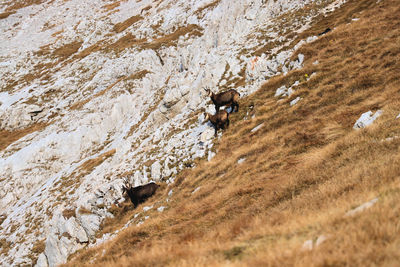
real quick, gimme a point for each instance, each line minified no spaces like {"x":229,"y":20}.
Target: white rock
{"x":294,"y":101}
{"x":301,"y":58}
{"x":156,"y":171}
{"x":258,"y":127}
{"x":172,"y":96}
{"x":398,"y":116}
{"x":210,"y":155}
{"x":361,"y":208}
{"x":146,"y":208}
{"x":320,"y":240}
{"x":208,"y":134}
{"x":281,"y":91}
{"x":367,"y":119}
{"x":73,"y":228}
{"x":90,"y":223}
{"x":307,"y":245}
{"x":56,"y":250}
{"x":241,"y":160}
{"x":197,"y":189}
{"x":161,"y":209}
{"x":42,"y":261}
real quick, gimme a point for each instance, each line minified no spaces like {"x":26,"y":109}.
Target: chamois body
{"x":227,"y":98}
{"x":219,"y":121}
{"x":139,"y":193}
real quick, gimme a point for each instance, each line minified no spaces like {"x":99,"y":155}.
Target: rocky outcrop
{"x":21,"y":116}
{"x":58,"y":249}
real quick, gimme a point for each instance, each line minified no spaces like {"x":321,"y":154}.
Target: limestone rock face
{"x":90,"y":223}
{"x":74,"y":229}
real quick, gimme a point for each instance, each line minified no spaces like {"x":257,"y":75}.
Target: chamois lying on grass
{"x":219,"y":121}
{"x":139,"y":193}
{"x":227,"y":98}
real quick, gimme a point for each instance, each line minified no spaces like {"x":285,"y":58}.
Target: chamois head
{"x":208,"y":91}
{"x":126,"y":186}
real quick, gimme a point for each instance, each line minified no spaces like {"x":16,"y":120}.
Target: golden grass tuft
{"x":122,"y":26}
{"x":89,"y":165}
{"x":18,"y":4}
{"x":5,"y":15}
{"x":67,"y":50}
{"x":304,"y":169}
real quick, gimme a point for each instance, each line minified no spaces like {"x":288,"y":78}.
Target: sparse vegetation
{"x":68,"y":213}
{"x":120,"y":27}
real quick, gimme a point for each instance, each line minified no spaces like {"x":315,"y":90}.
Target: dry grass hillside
{"x":303,"y":169}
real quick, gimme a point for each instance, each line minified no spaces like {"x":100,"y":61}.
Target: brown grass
{"x":37,"y":248}
{"x":111,"y":6}
{"x":18,"y":4}
{"x":207,"y":7}
{"x":122,"y":26}
{"x":172,"y":38}
{"x":5,"y":15}
{"x":5,"y":246}
{"x":67,"y":50}
{"x":89,"y":165}
{"x":9,"y":137}
{"x":304,"y":169}
{"x":68,"y":213}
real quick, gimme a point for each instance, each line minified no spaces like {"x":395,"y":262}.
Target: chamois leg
{"x":216,"y":109}
{"x":236,"y":107}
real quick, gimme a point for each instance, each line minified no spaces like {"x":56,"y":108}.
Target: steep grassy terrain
{"x":303,"y":169}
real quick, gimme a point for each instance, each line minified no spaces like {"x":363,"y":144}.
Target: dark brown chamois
{"x":227,"y":98}
{"x":139,"y":193}
{"x":219,"y":120}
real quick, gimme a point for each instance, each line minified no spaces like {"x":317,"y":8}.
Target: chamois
{"x":227,"y":98}
{"x":139,"y":193}
{"x":219,"y":121}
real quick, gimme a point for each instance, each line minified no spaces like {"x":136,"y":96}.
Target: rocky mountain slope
{"x":96,"y":91}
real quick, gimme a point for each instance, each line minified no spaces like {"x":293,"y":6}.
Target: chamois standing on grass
{"x":139,"y":193}
{"x":219,"y":121}
{"x":227,"y":98}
